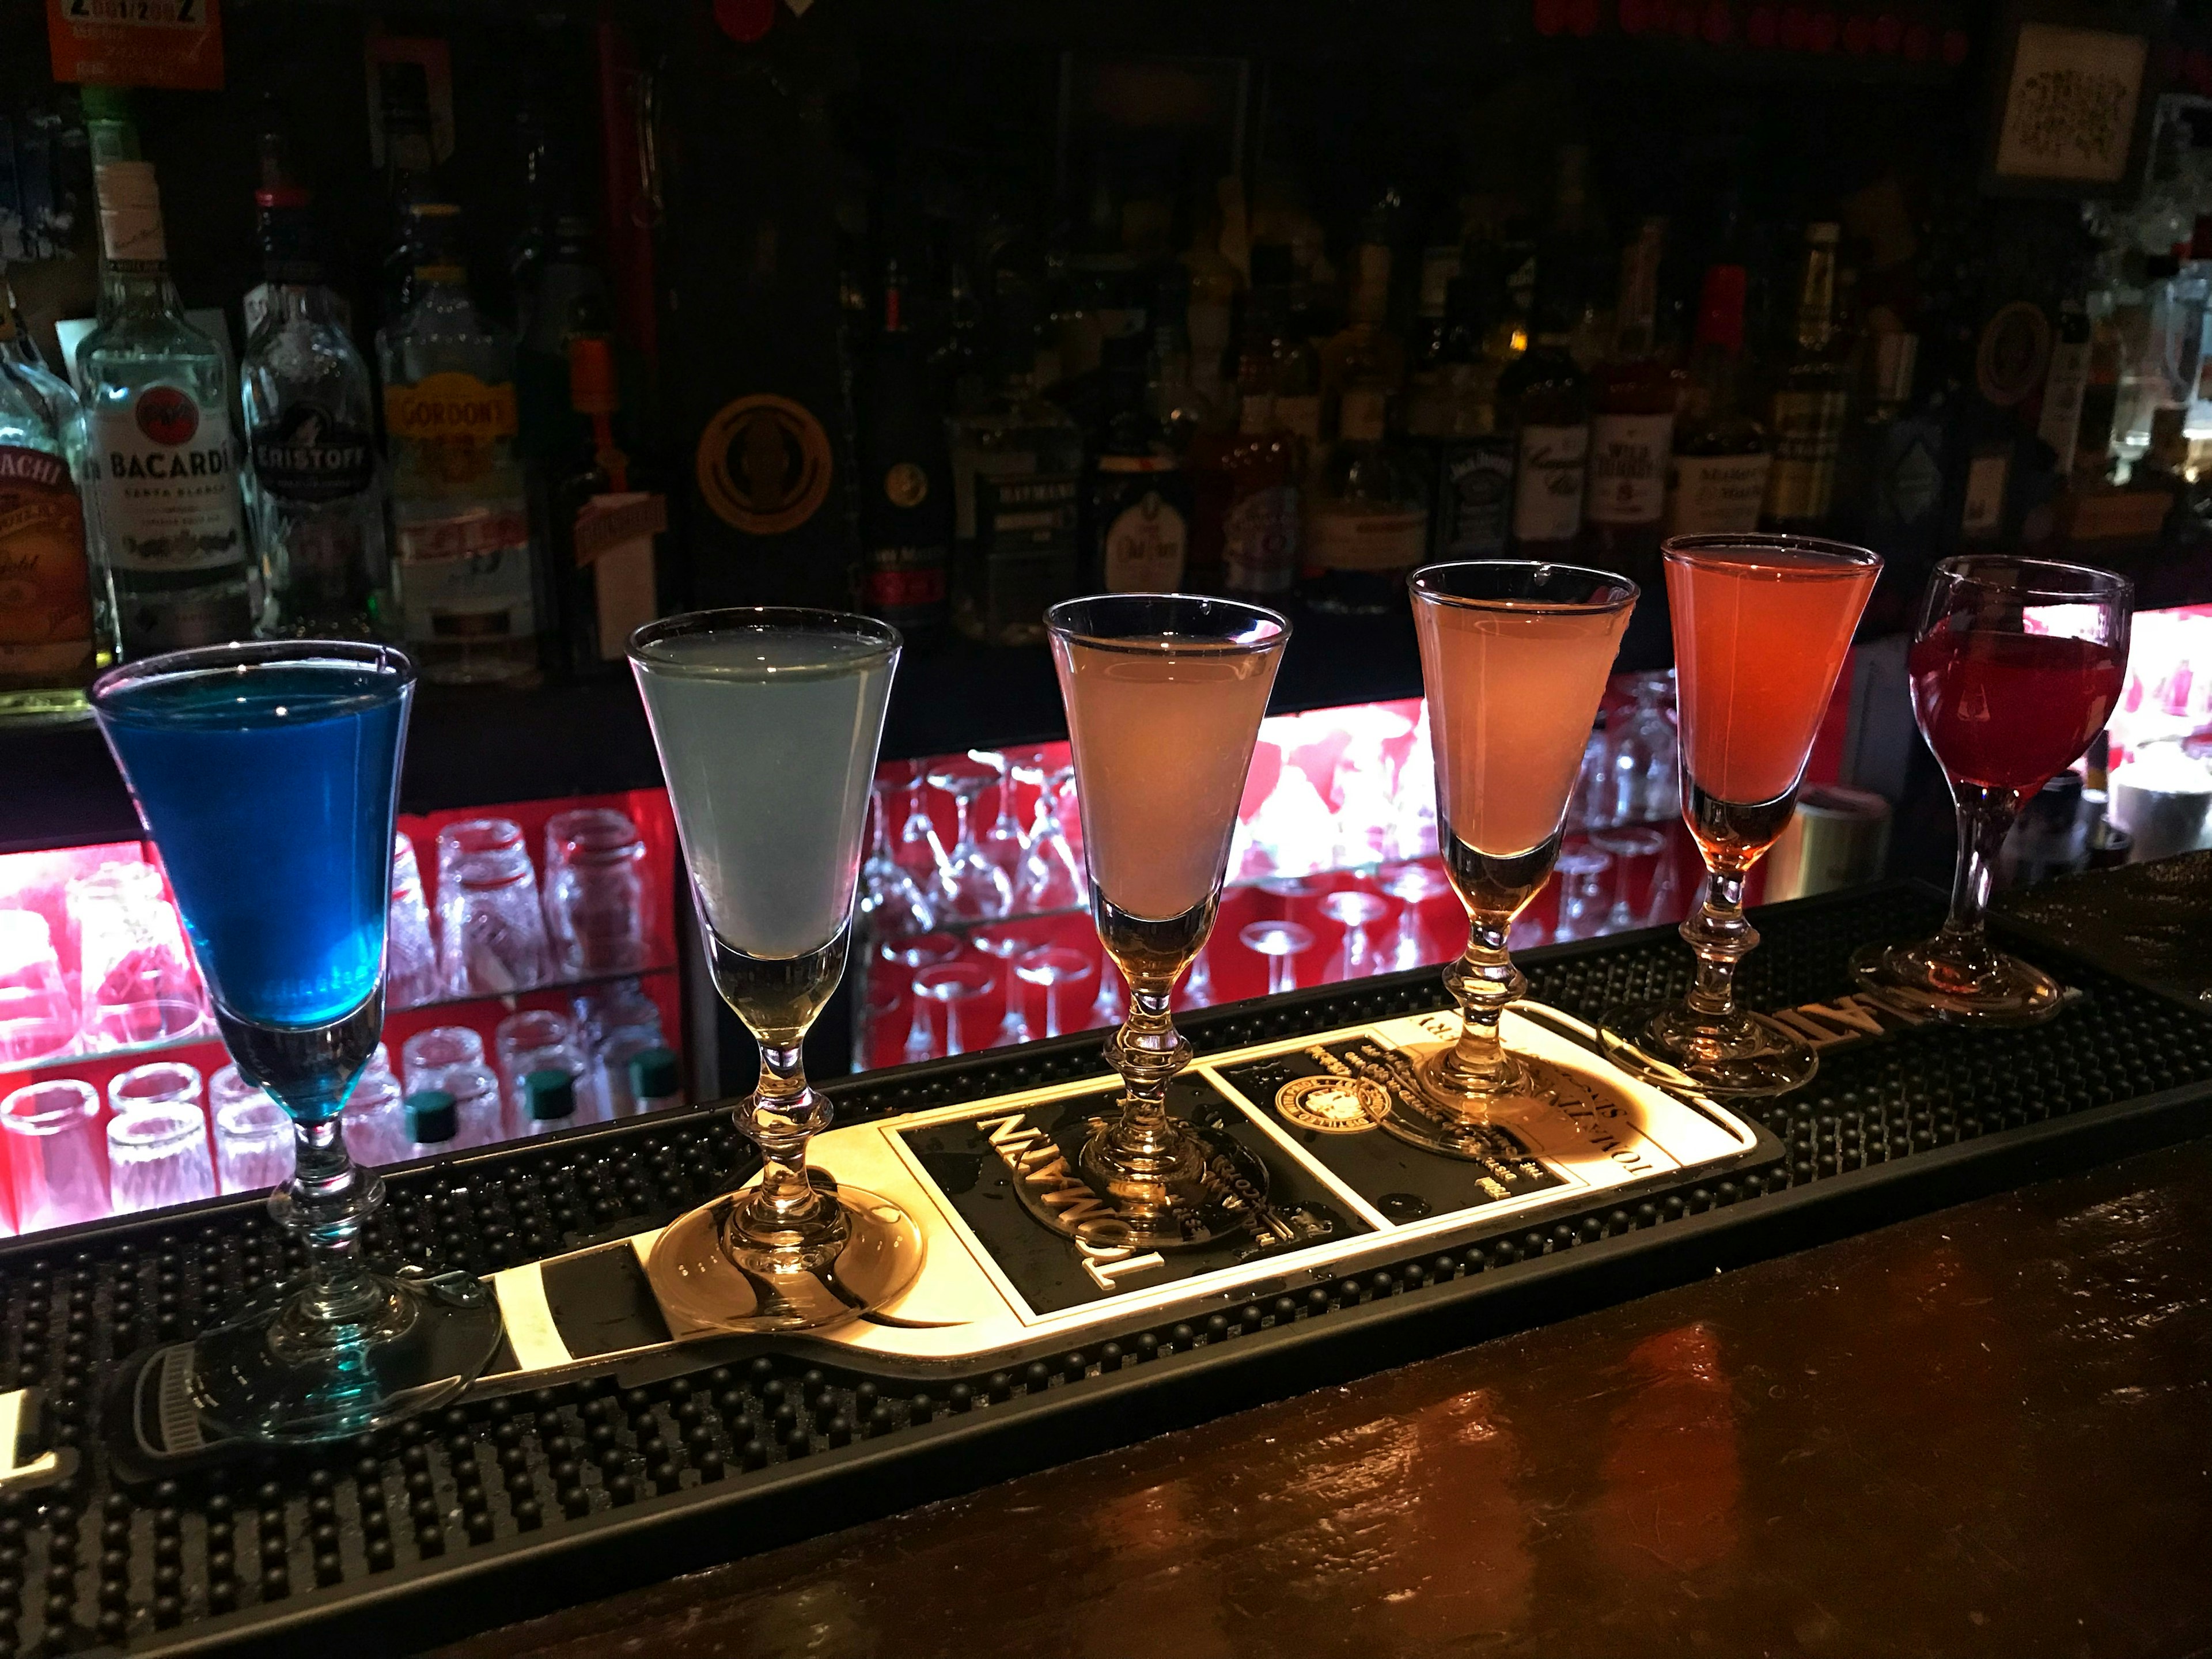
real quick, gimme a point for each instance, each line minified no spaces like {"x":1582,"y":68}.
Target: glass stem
{"x":1483,"y":981}
{"x":786,"y":1114}
{"x":1147,"y":1051}
{"x":326,"y":1204}
{"x":1985,"y":817}
{"x":1722,"y":938}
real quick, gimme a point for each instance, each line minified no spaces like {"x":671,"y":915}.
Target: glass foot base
{"x":1670,"y":1045}
{"x":2005,"y":992}
{"x":1205,"y":1186}
{"x":711,"y":1275}
{"x":277,"y":1374}
{"x":1454,"y":1119}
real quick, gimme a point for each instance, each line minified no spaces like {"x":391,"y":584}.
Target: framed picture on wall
{"x":2072,"y":106}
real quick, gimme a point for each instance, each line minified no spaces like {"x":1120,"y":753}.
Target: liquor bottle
{"x":1017,"y":482}
{"x":1717,"y":483}
{"x":601,"y":560}
{"x":1248,"y":490}
{"x":2066,"y":385}
{"x":1294,"y":367}
{"x":566,"y":300}
{"x":1367,"y":525}
{"x":1543,"y":403}
{"x":1468,"y":460}
{"x":1633,"y":394}
{"x":1433,"y":352}
{"x":468,"y":593}
{"x":906,"y":478}
{"x":161,"y":470}
{"x":314,"y":489}
{"x":1364,"y":352}
{"x":411,"y":161}
{"x":1184,"y":390}
{"x":1138,"y":500}
{"x":55,"y":630}
{"x":1811,"y":397}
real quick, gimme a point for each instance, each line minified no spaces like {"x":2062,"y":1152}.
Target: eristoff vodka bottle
{"x":53,"y":634}
{"x":161,"y":465}
{"x":313,"y":487}
{"x":460,"y":519}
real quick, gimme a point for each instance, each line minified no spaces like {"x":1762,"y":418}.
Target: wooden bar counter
{"x":1983,"y":1434}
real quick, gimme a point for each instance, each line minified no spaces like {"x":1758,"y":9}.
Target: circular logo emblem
{"x":167,"y":416}
{"x":1333,"y":1105}
{"x":763,"y":464}
{"x":2015,"y":351}
{"x":906,"y":484}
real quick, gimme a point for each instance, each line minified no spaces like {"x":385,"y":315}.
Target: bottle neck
{"x":136,"y":291}
{"x":291,"y":300}
{"x":1816,"y":299}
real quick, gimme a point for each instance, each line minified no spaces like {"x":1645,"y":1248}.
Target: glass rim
{"x":1424,"y":590}
{"x":766,"y":618}
{"x":1748,"y":544}
{"x":2096,"y":584}
{"x":1059,"y":621}
{"x":257,"y":654}
{"x":83,"y":1104}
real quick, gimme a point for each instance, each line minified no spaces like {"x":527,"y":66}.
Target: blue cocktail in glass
{"x":268,"y":776}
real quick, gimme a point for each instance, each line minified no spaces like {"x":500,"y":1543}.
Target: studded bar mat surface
{"x":508,"y":1506}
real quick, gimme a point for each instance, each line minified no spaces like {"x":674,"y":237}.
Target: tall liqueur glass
{"x":1165,"y":694}
{"x":2016,"y":665}
{"x":268,"y":776}
{"x":768,"y":721}
{"x":1762,"y":625}
{"x":1514,"y":660}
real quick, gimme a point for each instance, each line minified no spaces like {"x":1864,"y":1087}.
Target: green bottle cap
{"x":432,"y":1117}
{"x":549,"y":1094}
{"x":103,"y":103}
{"x":655,"y":1074}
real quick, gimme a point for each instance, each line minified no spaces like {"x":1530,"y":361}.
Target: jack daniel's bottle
{"x":160,"y":464}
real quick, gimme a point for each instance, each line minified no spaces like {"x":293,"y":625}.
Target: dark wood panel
{"x":1979,"y":1433}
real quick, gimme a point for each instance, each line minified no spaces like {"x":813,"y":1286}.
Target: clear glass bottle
{"x":1017,"y":482}
{"x":56,"y":630}
{"x":161,"y":465}
{"x":464,"y":564}
{"x":314,"y":488}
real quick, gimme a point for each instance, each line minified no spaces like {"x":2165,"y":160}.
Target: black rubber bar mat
{"x":513,"y":1505}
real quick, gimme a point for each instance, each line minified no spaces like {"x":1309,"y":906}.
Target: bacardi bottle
{"x":464,"y":569}
{"x":161,"y":462}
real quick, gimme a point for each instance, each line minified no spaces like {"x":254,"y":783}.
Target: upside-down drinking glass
{"x":767,"y":721}
{"x":304,"y":736}
{"x":1514,"y":661}
{"x":1165,"y":694}
{"x":2016,"y":665}
{"x":1762,"y":626}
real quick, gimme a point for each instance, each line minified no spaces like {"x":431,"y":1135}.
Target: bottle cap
{"x":432,"y":1117}
{"x":549,"y":1094}
{"x":653,"y":1074}
{"x":593,"y":387}
{"x":1720,"y":308}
